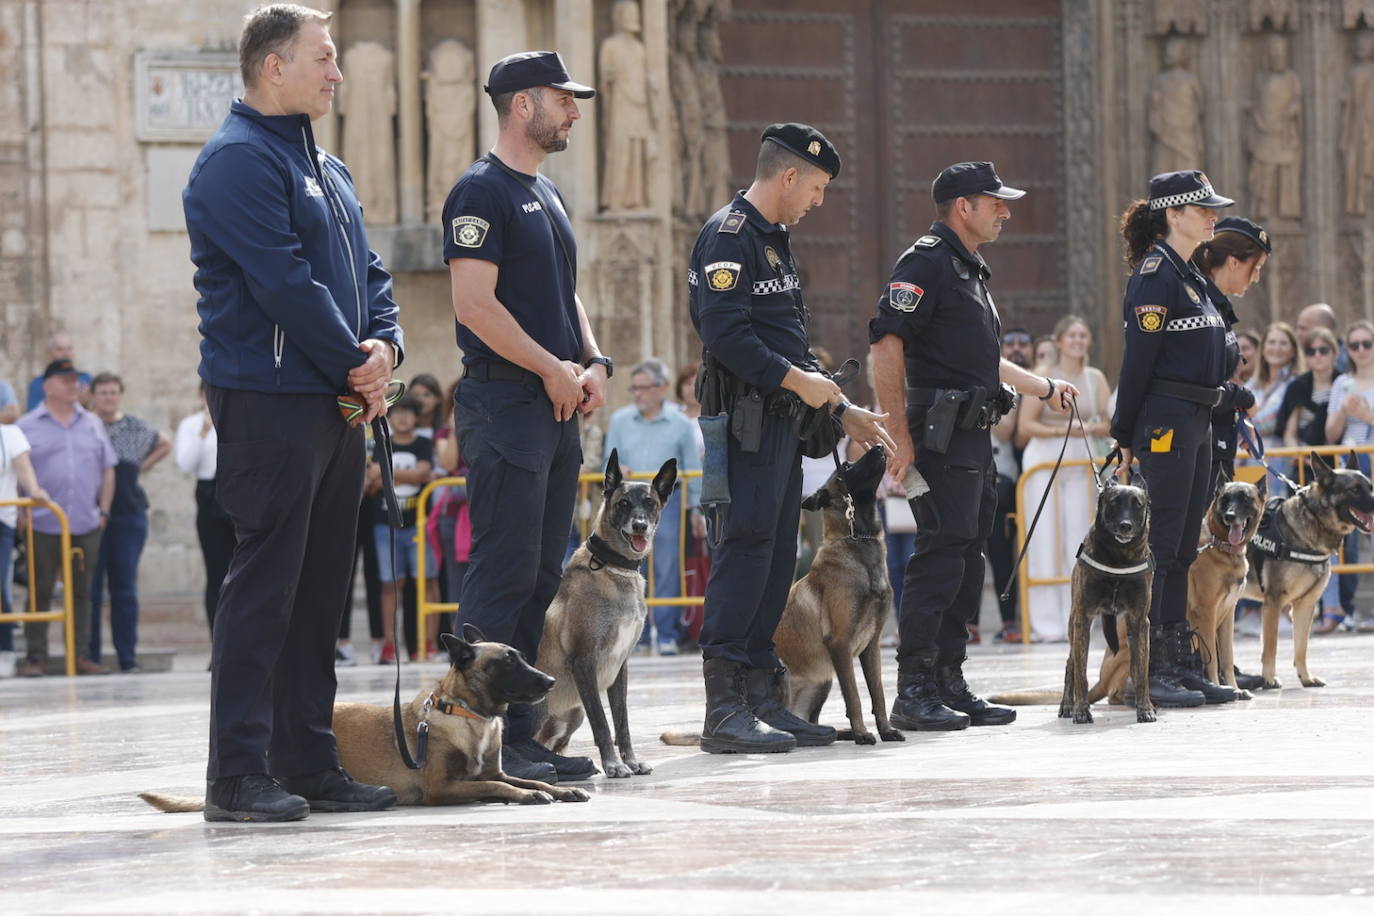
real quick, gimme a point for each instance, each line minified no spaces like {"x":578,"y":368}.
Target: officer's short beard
{"x":543,"y":132}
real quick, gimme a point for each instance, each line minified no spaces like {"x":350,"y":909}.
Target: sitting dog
{"x":1112,"y":577}
{"x":1290,"y":555}
{"x":1217,"y":577}
{"x":464,"y":713}
{"x":597,"y":617}
{"x":837,"y":610}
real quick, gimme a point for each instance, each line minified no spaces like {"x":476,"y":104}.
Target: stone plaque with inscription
{"x":183,"y":98}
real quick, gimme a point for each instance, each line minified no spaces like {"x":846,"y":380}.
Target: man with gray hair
{"x":60,"y":346}
{"x":1316,"y":315}
{"x":645,"y":434}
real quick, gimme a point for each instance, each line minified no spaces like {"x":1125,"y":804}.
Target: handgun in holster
{"x":974,"y":415}
{"x":746,"y":420}
{"x":941,"y":419}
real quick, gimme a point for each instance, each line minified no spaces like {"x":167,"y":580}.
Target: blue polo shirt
{"x":499,"y":215}
{"x":645,"y":444}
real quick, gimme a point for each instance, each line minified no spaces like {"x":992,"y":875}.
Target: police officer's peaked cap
{"x":533,"y":68}
{"x":1252,"y":231}
{"x":1175,"y":189}
{"x":965,"y":179}
{"x":806,"y":142}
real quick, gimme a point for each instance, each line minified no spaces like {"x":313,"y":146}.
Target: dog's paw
{"x":536,"y":797}
{"x":1311,"y":681}
{"x":1273,"y":683}
{"x":1083,"y":718}
{"x":639,"y":769}
{"x":615,"y":770}
{"x":865,"y":738}
{"x":572,"y":795}
{"x":891,"y":734}
{"x":1243,"y":694}
{"x":1145,"y":715}
{"x":1065,"y":712}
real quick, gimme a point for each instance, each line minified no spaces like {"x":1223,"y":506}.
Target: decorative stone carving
{"x":628,"y":139}
{"x":1357,"y":13}
{"x":1276,"y":136}
{"x":1357,"y":126}
{"x":1281,"y":15}
{"x":450,"y":95}
{"x":1176,"y":112}
{"x":715,"y":167}
{"x":1184,"y":16}
{"x":367,"y":102}
{"x":689,"y":200}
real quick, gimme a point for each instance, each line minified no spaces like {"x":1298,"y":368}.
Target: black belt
{"x":486,"y":371}
{"x":1197,"y":394}
{"x":926,"y":396}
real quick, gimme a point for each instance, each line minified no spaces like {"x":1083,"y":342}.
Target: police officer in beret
{"x":1171,"y":380}
{"x":936,"y":344}
{"x":530,"y":366}
{"x":746,"y":305}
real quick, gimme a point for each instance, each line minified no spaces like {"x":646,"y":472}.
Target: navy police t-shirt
{"x":499,"y":215}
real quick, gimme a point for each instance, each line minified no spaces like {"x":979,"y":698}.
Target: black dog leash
{"x":1044,"y":497}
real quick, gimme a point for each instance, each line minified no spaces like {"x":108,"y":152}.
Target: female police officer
{"x":1171,"y":374}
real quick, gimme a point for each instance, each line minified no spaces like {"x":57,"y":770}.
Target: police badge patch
{"x":733,"y":222}
{"x":1150,"y":265}
{"x":722,"y":275}
{"x":1192,"y":294}
{"x":470,"y":231}
{"x":1150,"y":317}
{"x":928,"y":241}
{"x":904,"y":296}
{"x":773,"y":260}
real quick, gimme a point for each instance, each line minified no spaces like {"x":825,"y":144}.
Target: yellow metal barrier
{"x":425,"y":608}
{"x":63,"y":616}
{"x":1024,"y":582}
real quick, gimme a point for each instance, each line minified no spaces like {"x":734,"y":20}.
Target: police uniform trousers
{"x":1178,"y":475}
{"x":753,"y":566}
{"x":943,"y":589}
{"x":290,"y":477}
{"x":522,"y":485}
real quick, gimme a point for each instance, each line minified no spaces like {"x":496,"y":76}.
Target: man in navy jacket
{"x":294,"y":311}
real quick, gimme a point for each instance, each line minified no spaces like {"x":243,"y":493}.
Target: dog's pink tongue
{"x":639,"y":543}
{"x":1236,"y":535}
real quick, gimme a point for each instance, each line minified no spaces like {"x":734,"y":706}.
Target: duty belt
{"x":487,"y":370}
{"x":977,"y":406}
{"x":1196,"y":394}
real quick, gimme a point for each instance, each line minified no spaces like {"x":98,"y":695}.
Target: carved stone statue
{"x":449,"y":99}
{"x":715,"y":166}
{"x":1183,"y":16}
{"x":1276,"y":147}
{"x":1176,"y":113}
{"x":629,"y":132}
{"x":690,"y":201}
{"x":1357,"y":126}
{"x":367,"y":101}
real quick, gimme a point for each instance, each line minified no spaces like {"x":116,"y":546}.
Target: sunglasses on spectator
{"x":1016,"y":338}
{"x":643,"y":387}
{"x":1316,"y":351}
{"x":1360,"y":344}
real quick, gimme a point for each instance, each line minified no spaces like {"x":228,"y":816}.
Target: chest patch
{"x":470,"y":231}
{"x":531,"y":207}
{"x":1192,"y":294}
{"x":928,"y":241}
{"x":904,"y":296}
{"x":733,"y":222}
{"x":722,"y":275}
{"x":1150,"y":318}
{"x":1150,"y":265}
{"x":312,"y":187}
{"x":774,"y":261}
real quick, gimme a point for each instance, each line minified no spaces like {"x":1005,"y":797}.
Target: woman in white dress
{"x":1069,"y":510}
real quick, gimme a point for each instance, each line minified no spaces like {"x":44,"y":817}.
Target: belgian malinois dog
{"x":464,"y":711}
{"x":1112,"y":577}
{"x":1217,"y":577}
{"x":597,"y":616}
{"x":1312,"y":522}
{"x":837,"y":610}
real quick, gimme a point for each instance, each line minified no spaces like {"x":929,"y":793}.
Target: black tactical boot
{"x":730,"y":728}
{"x":514,"y":763}
{"x":766,"y":695}
{"x":256,"y":798}
{"x":567,"y":768}
{"x":955,"y":692}
{"x":1247,"y":681}
{"x":335,"y":790}
{"x":1165,"y":690}
{"x":1190,"y":670}
{"x":918,"y":706}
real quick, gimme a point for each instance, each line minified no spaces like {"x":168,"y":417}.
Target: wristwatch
{"x":840,"y":408}
{"x":603,"y":360}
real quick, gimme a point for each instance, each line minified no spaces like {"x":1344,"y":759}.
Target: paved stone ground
{"x":1265,"y":806}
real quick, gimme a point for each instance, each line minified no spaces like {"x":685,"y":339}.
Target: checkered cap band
{"x":1178,"y":200}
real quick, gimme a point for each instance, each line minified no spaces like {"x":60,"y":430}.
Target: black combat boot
{"x":335,"y":790}
{"x":730,"y":728}
{"x":1189,"y":668}
{"x":766,"y":695}
{"x":955,"y":692}
{"x":918,"y":706}
{"x":1165,"y":690}
{"x":256,"y":798}
{"x":1247,"y":681}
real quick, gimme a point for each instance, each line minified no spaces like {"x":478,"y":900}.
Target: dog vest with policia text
{"x":1269,"y":542}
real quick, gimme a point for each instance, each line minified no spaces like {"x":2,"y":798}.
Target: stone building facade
{"x":104,"y":103}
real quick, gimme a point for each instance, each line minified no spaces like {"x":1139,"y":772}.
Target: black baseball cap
{"x":59,"y":367}
{"x":1175,"y":189}
{"x":533,"y":68}
{"x":964,"y":179}
{"x":807,"y":143}
{"x":1253,"y":231}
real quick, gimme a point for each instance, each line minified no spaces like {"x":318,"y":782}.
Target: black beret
{"x":964,"y":179}
{"x":1175,"y":189}
{"x":807,"y":143}
{"x":1253,"y":231}
{"x":533,"y":68}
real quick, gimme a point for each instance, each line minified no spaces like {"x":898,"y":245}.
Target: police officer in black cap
{"x":530,"y":366}
{"x":936,"y":344}
{"x":747,"y":306}
{"x":1171,"y":381}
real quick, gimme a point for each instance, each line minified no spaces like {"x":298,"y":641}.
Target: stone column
{"x":326,"y":129}
{"x":1323,"y":205}
{"x":408,"y":111}
{"x":1081,"y":149}
{"x":501,"y":30}
{"x":574,"y":170}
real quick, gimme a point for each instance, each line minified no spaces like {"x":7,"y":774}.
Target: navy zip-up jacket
{"x":288,"y":286}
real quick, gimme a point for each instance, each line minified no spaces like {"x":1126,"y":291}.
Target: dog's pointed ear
{"x":460,"y":653}
{"x":472,"y":634}
{"x":817,"y":501}
{"x":1321,"y":471}
{"x":1138,"y":480}
{"x":613,"y":476}
{"x":665,"y":480}
{"x":1263,"y":487}
{"x":1351,"y":462}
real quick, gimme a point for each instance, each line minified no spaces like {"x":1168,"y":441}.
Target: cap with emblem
{"x":806,"y":142}
{"x":59,"y":367}
{"x":965,"y":179}
{"x":1177,"y":189}
{"x":533,"y":68}
{"x":1252,"y":231}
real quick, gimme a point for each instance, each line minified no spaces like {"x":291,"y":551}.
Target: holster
{"x":746,"y":420}
{"x":941,"y":419}
{"x":973,"y":413}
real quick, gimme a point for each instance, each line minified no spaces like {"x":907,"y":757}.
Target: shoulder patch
{"x":470,"y":231}
{"x":1150,"y":318}
{"x":733,"y":222}
{"x":904,"y":297}
{"x":928,"y":241}
{"x":1150,"y":265}
{"x":722,"y":275}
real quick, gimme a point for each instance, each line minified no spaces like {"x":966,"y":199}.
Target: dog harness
{"x":603,"y":555}
{"x":1120,"y":571}
{"x":1270,"y":541}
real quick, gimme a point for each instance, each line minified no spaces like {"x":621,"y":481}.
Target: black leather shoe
{"x":766,"y":692}
{"x":955,"y":693}
{"x":730,"y":727}
{"x":1247,"y":681}
{"x":1190,"y":671}
{"x":514,"y":763}
{"x":918,"y":706}
{"x":567,"y":768}
{"x":1165,"y":690}
{"x":256,"y":798}
{"x":336,"y":792}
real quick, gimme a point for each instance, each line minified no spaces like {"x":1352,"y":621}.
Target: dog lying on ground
{"x":597,"y":617}
{"x":1290,"y":555}
{"x":837,"y":610}
{"x":464,"y":714}
{"x":1217,"y":577}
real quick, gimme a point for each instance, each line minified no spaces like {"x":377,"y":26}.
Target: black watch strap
{"x":603,"y":360}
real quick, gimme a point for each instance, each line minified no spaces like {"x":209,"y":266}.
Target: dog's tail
{"x":1044,"y":696}
{"x":681,"y":739}
{"x":173,"y":804}
{"x":1109,"y":632}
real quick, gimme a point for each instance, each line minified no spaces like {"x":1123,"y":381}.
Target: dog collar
{"x":1087,"y":560}
{"x":603,"y":555}
{"x":455,"y":707}
{"x":1224,"y":546}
